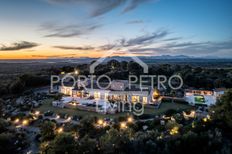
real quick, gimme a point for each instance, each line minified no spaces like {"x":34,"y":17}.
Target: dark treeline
{"x":196,"y":77}
{"x":24,"y":82}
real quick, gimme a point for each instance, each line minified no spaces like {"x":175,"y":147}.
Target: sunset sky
{"x":31,"y":29}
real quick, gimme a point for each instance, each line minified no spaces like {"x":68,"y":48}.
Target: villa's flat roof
{"x":219,"y":89}
{"x":94,"y":86}
{"x":212,"y":90}
{"x":198,"y":90}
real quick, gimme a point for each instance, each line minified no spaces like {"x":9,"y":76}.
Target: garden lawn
{"x":148,"y":109}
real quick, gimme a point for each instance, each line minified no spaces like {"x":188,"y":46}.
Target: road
{"x":31,"y":136}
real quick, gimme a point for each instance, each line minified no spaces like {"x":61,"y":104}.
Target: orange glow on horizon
{"x":51,"y":54}
{"x":46,"y":54}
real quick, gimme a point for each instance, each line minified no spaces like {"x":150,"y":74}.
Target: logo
{"x":109,"y":53}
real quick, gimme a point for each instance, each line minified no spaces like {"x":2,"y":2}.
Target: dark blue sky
{"x":77,"y":28}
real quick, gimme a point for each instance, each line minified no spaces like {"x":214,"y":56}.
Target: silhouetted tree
{"x":63,"y":143}
{"x":48,"y":130}
{"x":222,"y":111}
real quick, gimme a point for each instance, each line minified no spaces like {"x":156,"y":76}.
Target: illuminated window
{"x":97,"y":95}
{"x":68,"y":92}
{"x":156,"y":94}
{"x":106,"y":96}
{"x":144,"y":100}
{"x":135,"y":98}
{"x":79,"y":94}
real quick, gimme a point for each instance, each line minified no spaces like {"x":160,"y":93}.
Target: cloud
{"x":55,"y":30}
{"x":100,"y":7}
{"x":18,"y":46}
{"x":123,"y":44}
{"x":173,"y":39}
{"x":74,"y":48}
{"x":202,"y":48}
{"x":149,"y":51}
{"x":189,"y":48}
{"x":105,"y":47}
{"x":134,"y":4}
{"x":184,"y":44}
{"x":135,"y":22}
{"x":145,"y":39}
{"x":159,"y":43}
{"x":55,"y":56}
{"x":103,"y":6}
{"x":95,"y":7}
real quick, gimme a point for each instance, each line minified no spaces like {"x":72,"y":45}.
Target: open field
{"x":148,"y":110}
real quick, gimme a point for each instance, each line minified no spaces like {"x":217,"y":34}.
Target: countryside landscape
{"x":117,"y":76}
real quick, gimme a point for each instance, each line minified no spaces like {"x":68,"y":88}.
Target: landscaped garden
{"x":148,"y":110}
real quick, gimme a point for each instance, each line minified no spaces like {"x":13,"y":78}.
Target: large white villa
{"x":118,"y":90}
{"x":203,"y":97}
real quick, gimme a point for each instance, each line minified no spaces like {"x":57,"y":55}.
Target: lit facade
{"x":203,"y":97}
{"x":118,"y":91}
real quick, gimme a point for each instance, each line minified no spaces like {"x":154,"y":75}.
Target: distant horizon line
{"x":148,"y":57}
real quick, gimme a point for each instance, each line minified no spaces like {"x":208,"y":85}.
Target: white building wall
{"x":209,"y":100}
{"x":66,"y":90}
{"x":103,"y":94}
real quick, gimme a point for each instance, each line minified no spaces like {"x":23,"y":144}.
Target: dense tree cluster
{"x":213,"y":136}
{"x":24,"y":82}
{"x":193,"y":76}
{"x":10,"y":140}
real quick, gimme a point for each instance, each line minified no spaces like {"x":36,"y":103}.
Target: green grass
{"x":165,"y":107}
{"x":47,"y":105}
